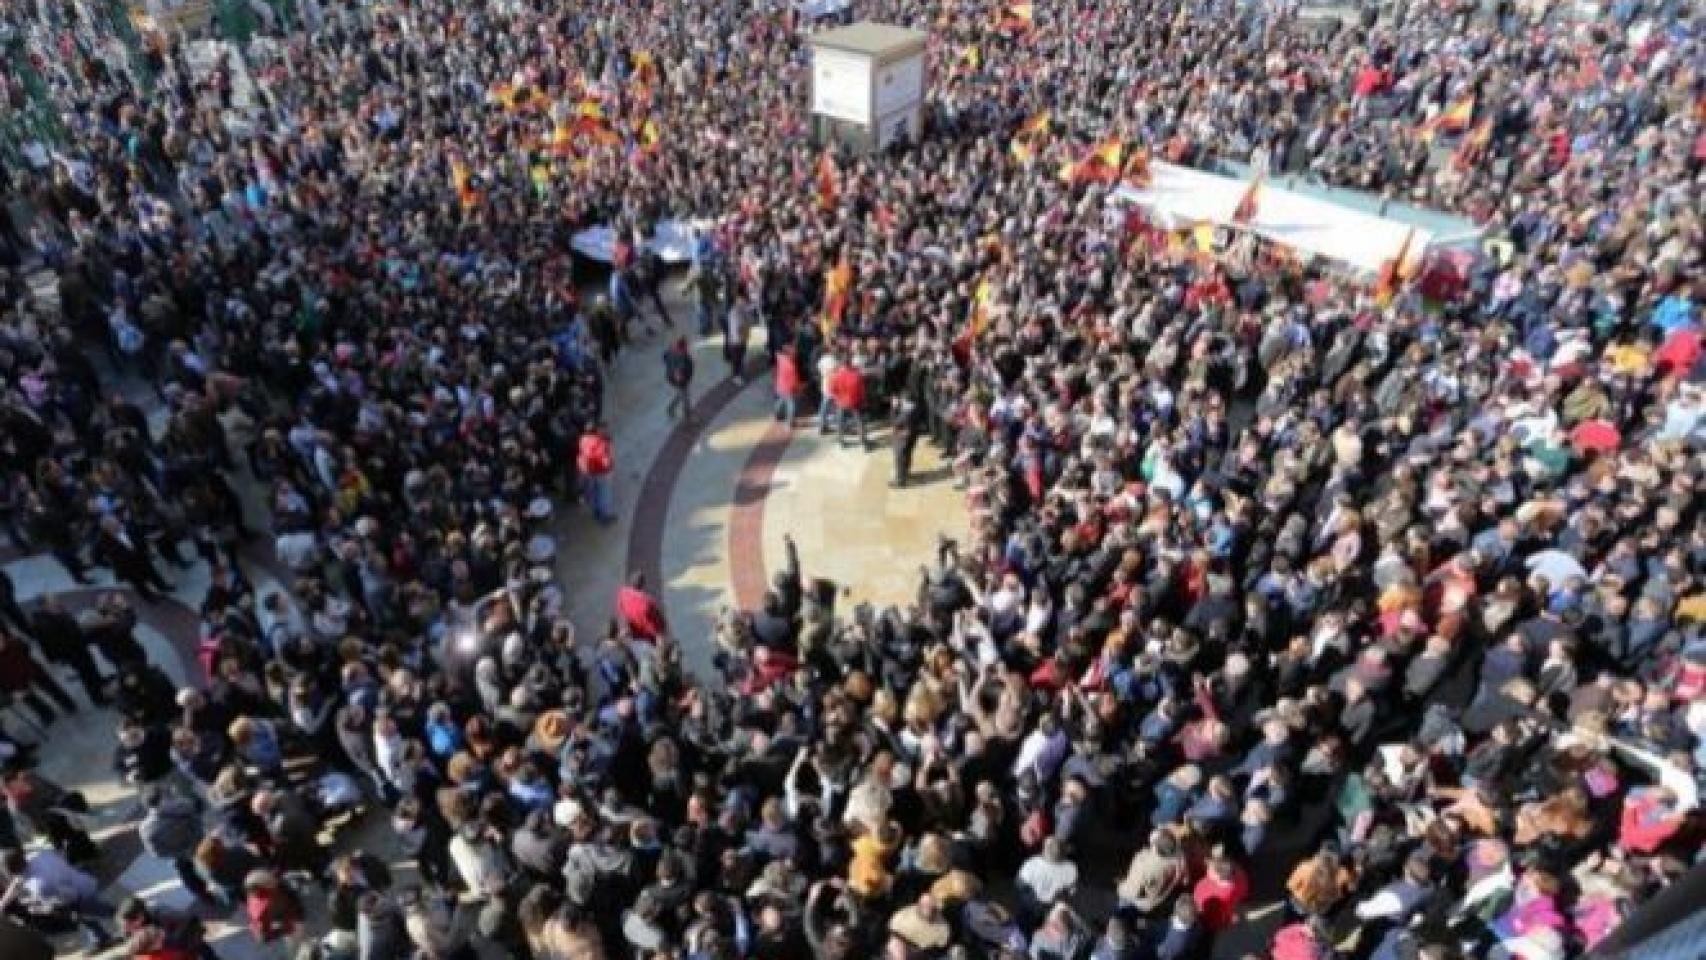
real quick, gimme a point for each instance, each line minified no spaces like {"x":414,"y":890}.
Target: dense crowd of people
{"x":1382,"y":604}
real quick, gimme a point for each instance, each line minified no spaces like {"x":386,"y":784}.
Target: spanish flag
{"x":828,"y":181}
{"x":1037,"y":126}
{"x":1456,"y":117}
{"x":1136,"y":172}
{"x":590,"y":120}
{"x":837,"y":291}
{"x":1394,"y":271}
{"x":1247,"y":207}
{"x":1102,"y":163}
{"x":645,"y":66}
{"x":562,"y":142}
{"x":1473,"y":147}
{"x":981,"y":302}
{"x":1017,"y":18}
{"x":463,"y":182}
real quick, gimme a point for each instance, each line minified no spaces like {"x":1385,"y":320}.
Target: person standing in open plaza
{"x":595,"y":461}
{"x":678,"y":373}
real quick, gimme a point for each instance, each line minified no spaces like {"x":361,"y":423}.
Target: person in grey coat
{"x":379,"y":931}
{"x":171,"y":830}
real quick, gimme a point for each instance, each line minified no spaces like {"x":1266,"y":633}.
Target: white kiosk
{"x":868,"y":85}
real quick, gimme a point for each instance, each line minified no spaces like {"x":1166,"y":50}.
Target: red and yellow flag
{"x":1017,"y":18}
{"x":828,"y":181}
{"x":981,"y":302}
{"x":1249,"y":203}
{"x":1023,"y":147}
{"x":1473,"y":147}
{"x":562,"y":142}
{"x":1394,"y":271}
{"x":1457,"y":116}
{"x":1037,"y":126}
{"x":1136,"y":172}
{"x":837,"y":293}
{"x":1100,"y":165}
{"x":462,"y":181}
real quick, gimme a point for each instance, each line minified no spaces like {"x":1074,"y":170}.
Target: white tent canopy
{"x":1179,"y":198}
{"x":672,"y":241}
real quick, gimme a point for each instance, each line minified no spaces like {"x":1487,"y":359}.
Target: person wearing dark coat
{"x":293,"y":829}
{"x":11,"y":615}
{"x":908,"y":425}
{"x":127,"y":553}
{"x":22,"y":676}
{"x":144,"y":753}
{"x":62,"y":641}
{"x":145,"y":694}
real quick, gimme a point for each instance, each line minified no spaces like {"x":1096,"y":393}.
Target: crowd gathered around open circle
{"x":1303,"y":614}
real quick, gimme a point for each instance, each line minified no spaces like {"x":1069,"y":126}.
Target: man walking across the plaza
{"x":678,"y":373}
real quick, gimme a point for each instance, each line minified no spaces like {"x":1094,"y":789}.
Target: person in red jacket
{"x":1306,"y":940}
{"x":596,"y":463}
{"x":639,"y":610}
{"x":1220,"y":893}
{"x":847,"y":389}
{"x":1651,"y":816}
{"x":273,"y":909}
{"x":787,"y":385}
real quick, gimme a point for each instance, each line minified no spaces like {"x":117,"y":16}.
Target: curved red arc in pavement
{"x":651,"y":512}
{"x":747,"y":572}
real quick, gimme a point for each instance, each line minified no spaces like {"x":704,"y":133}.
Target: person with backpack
{"x":170,"y":831}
